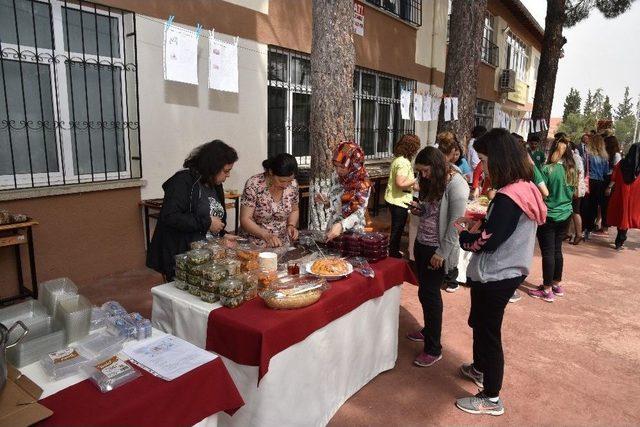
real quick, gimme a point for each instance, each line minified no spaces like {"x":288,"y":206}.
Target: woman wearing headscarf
{"x":349,"y":195}
{"x":624,"y":206}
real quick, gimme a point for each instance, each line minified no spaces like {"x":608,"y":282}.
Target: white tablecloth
{"x":308,"y":382}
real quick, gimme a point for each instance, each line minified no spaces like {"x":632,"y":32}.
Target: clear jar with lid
{"x":181,"y":261}
{"x":214,"y":272}
{"x":198,"y":256}
{"x":232,"y":302}
{"x":232,"y":287}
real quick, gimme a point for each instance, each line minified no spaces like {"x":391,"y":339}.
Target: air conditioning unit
{"x":508,"y":81}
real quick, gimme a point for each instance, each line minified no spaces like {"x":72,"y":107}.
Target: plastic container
{"x":37,"y":344}
{"x":63,"y":363}
{"x":74,"y":314}
{"x":121,"y":327}
{"x":181,"y":261}
{"x":250,"y":292}
{"x":209,"y":297}
{"x":210,"y":286}
{"x":181,"y":275}
{"x":218,"y":251}
{"x":32,"y":313}
{"x":214,"y":272}
{"x":114,"y":308}
{"x":194,"y":290}
{"x":183,"y":286}
{"x":232,"y":287}
{"x":194,"y":280}
{"x":232,"y":302}
{"x":268,"y":261}
{"x":98,"y":318}
{"x":142,"y":325}
{"x":198,"y":256}
{"x":111,"y":373}
{"x":53,"y":291}
{"x":233,"y":267}
{"x":200,"y":244}
{"x":351,"y":242}
{"x":100,"y":344}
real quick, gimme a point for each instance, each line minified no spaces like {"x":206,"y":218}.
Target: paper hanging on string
{"x":223,"y":66}
{"x":405,"y":104}
{"x":454,"y":107}
{"x":417,"y":107}
{"x":426,"y":108}
{"x":435,"y":107}
{"x":447,"y":109}
{"x":180,"y":55}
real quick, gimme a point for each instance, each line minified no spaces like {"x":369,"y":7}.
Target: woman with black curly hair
{"x":193,"y":205}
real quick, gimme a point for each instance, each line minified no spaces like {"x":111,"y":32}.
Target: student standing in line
{"x":502,"y":247}
{"x":624,"y":207}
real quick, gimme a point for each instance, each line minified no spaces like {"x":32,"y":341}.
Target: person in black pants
{"x":502,"y":247}
{"x":398,"y":193}
{"x":430,"y":297}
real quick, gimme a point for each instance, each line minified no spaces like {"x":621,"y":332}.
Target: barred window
{"x":517,"y":58}
{"x":407,"y":10}
{"x":376,"y":105}
{"x":68,"y":94}
{"x":489,"y":50}
{"x":484,"y":113}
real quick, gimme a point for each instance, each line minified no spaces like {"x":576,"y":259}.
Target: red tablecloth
{"x":253,"y":333}
{"x":148,"y":400}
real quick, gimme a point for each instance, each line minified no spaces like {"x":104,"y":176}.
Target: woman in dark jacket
{"x":193,"y":205}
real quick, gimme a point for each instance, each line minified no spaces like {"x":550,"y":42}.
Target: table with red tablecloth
{"x":297,"y":367}
{"x":193,"y":398}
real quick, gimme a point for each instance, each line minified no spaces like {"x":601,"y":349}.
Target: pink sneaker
{"x":425,"y":359}
{"x":540,"y":293}
{"x":416,"y":336}
{"x":558,"y":290}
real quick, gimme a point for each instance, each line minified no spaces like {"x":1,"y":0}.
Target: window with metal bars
{"x":68,"y":94}
{"x":407,"y":10}
{"x":484,"y":113}
{"x":376,"y":105}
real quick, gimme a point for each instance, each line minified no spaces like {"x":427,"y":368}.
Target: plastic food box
{"x":74,"y":314}
{"x":63,"y":363}
{"x":101,"y":344}
{"x":47,"y":338}
{"x":32,"y":313}
{"x":53,"y":291}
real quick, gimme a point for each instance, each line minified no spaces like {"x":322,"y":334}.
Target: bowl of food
{"x":329,"y":268}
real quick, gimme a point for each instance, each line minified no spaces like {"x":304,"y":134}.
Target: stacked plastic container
{"x":53,"y":291}
{"x":372,"y":246}
{"x":74,"y":314}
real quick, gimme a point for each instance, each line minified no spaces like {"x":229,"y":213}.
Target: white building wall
{"x":177,"y":117}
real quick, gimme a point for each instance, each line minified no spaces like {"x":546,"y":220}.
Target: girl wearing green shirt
{"x":399,"y":192}
{"x":561,"y":178}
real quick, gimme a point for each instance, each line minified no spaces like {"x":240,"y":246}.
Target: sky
{"x":600,"y":53}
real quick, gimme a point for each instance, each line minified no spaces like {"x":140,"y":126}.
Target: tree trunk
{"x":332,"y":67}
{"x":463,"y":60}
{"x":549,"y":58}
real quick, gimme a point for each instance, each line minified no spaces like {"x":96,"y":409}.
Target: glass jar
{"x":181,"y":261}
{"x":198,"y":256}
{"x":232,"y":287}
{"x":231,"y":302}
{"x":209,"y":297}
{"x":214,"y":272}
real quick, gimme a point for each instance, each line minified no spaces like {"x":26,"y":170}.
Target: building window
{"x":376,"y":106}
{"x":68,"y":104}
{"x":407,"y":10}
{"x":484,"y":113}
{"x":517,"y":58}
{"x":489,"y":50}
{"x":536,"y":64}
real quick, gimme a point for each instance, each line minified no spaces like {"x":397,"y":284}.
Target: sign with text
{"x":520,"y":94}
{"x":358,"y":18}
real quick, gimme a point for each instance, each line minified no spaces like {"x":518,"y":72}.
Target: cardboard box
{"x":19,"y":401}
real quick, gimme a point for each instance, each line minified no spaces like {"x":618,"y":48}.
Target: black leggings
{"x":595,"y":199}
{"x":488,"y":301}
{"x":550,"y":237}
{"x":621,"y":237}
{"x":398,"y":220}
{"x":429,"y":292}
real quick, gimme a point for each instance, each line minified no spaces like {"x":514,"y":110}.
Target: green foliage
{"x":588,"y":104}
{"x":624,"y":129}
{"x":606,"y":109}
{"x":625,"y":108}
{"x":572,"y":103}
{"x":577,"y":10}
{"x":576,"y":124}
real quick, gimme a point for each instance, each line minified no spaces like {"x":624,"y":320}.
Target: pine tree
{"x":571,"y":103}
{"x":598,"y":101}
{"x":606,"y":109}
{"x":588,"y":104}
{"x":625,"y":108}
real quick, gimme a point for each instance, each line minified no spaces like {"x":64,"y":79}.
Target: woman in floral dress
{"x":269,"y":213}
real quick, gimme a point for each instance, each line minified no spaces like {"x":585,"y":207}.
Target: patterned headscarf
{"x":356,"y":182}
